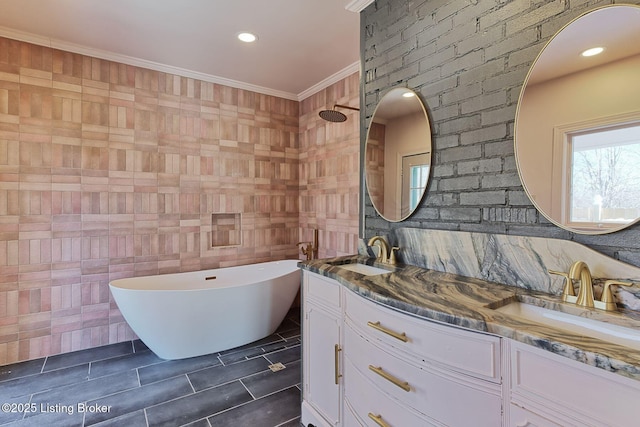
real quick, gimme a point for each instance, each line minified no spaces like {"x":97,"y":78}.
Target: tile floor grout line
{"x":118,"y":368}
{"x":183,"y":373}
{"x":254,"y":400}
{"x":278,"y":391}
{"x":248,"y":391}
{"x":205,"y":418}
{"x":234,"y":407}
{"x":233,"y":380}
{"x":282,"y":349}
{"x":190,"y":385}
{"x":210,"y":415}
{"x":288,"y":421}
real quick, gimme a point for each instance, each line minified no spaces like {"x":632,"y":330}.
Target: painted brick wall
{"x":468,"y":60}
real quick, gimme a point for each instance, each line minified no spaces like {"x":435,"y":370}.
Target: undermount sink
{"x":575,"y":323}
{"x":367,"y":270}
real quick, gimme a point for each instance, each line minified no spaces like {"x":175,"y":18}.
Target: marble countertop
{"x":469,"y":303}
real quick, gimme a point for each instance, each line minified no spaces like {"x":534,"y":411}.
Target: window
{"x":418,"y":183}
{"x":604,"y":176}
{"x":415,"y":173}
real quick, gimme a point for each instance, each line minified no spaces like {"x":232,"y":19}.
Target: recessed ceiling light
{"x":593,"y":51}
{"x":247,"y":37}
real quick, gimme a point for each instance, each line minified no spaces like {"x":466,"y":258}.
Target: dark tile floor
{"x":125,"y":384}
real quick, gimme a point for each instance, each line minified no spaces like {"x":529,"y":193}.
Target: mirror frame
{"x":429,"y":144}
{"x":518,"y":159}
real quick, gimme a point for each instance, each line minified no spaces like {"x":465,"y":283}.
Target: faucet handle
{"x":567,"y":290}
{"x":607,"y":295}
{"x":308,"y":251}
{"x":392,"y":255}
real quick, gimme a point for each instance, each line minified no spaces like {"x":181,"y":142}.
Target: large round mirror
{"x":577,"y":129}
{"x":398,"y":154}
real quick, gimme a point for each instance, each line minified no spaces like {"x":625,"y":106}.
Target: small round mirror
{"x":398,"y":154}
{"x":577,"y":128}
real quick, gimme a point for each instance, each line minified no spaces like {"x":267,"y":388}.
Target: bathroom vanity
{"x":473,"y":329}
{"x":406,"y":346}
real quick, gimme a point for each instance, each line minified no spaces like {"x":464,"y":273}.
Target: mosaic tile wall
{"x":109,"y":171}
{"x":330,"y":170}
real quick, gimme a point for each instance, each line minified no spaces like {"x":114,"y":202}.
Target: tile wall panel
{"x":110,"y":171}
{"x":329,"y":170}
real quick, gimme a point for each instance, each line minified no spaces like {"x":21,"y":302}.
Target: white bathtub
{"x":185,"y":315}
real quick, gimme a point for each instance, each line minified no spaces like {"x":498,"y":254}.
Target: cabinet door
{"x":321,"y":335}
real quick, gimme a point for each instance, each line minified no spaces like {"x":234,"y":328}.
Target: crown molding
{"x":138,"y":62}
{"x":358,"y":5}
{"x":345,"y":72}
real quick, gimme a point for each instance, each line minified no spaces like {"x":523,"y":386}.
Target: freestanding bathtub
{"x":191,"y":314}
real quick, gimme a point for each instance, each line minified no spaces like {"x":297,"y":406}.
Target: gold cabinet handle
{"x":378,"y":420}
{"x":397,"y":335}
{"x":402,"y":384}
{"x":336,"y":351}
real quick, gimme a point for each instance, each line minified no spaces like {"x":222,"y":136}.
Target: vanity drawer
{"x":472,"y":353}
{"x":438,"y":395}
{"x":322,"y":289}
{"x":363,"y":398}
{"x":349,"y":418}
{"x":558,"y":387}
{"x":365,"y":355}
{"x":519,"y":417}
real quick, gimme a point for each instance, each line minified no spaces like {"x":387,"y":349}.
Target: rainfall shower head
{"x":335,"y":116}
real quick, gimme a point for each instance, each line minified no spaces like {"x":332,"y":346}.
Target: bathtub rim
{"x":199,"y":276}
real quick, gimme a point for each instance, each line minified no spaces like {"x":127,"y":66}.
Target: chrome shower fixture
{"x":335,"y":116}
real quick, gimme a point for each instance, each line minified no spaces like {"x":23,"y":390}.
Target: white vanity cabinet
{"x":550,"y":390}
{"x":321,"y":343}
{"x":365,"y":364}
{"x":435,"y":375}
{"x":418,"y":372}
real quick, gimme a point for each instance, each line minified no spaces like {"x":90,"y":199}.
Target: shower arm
{"x":346,"y":106}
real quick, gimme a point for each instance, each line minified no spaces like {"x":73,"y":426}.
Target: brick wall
{"x":468,"y":60}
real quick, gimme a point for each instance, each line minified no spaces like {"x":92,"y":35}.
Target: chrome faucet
{"x":580,"y":271}
{"x":385,"y":254}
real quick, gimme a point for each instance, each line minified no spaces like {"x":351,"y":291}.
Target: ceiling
{"x":303,"y":45}
{"x":613,"y":28}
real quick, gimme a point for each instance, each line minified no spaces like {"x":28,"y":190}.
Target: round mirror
{"x":398,"y":154}
{"x":577,"y":128}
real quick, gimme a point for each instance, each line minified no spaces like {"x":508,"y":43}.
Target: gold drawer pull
{"x":336,"y":351}
{"x":378,"y":420}
{"x":402,"y":384}
{"x":400,"y":336}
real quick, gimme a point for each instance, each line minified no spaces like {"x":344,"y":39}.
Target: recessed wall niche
{"x":226,"y":229}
